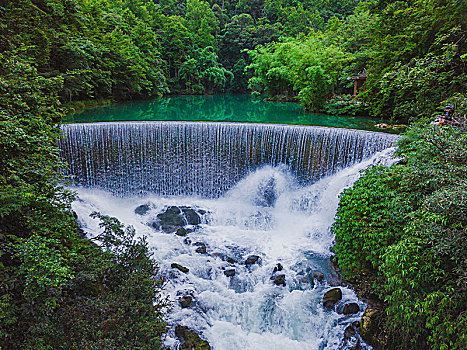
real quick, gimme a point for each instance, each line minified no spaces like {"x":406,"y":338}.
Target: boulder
{"x":142,"y":209}
{"x":369,"y":323}
{"x":350,"y":309}
{"x":201,"y":248}
{"x":181,"y":232}
{"x":279,"y":280}
{"x":349,"y":332}
{"x":331,"y":297}
{"x":252,"y":259}
{"x":171,"y":218}
{"x":277,"y":268}
{"x":185,"y":301}
{"x":180,"y":267}
{"x":187,"y":241}
{"x":192,"y":218}
{"x":190,"y":339}
{"x":229,"y":272}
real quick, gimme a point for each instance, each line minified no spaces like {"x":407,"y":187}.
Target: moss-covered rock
{"x":331,"y":297}
{"x":190,"y":339}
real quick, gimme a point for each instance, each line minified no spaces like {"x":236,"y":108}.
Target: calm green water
{"x":219,"y":108}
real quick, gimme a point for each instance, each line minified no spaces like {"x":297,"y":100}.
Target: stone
{"x":279,"y":280}
{"x":350,"y":309}
{"x":142,"y":209}
{"x":231,"y":260}
{"x":331,"y":297}
{"x":201,"y":247}
{"x":201,"y":250}
{"x":229,"y":272}
{"x":187,"y":241}
{"x":192,"y":218}
{"x":252,"y":259}
{"x":349,"y":332}
{"x":180,"y":267}
{"x":318,"y":276}
{"x":185,"y":301}
{"x":171,"y":218}
{"x":369,"y":323}
{"x":277,"y":268}
{"x":181,"y":232}
{"x":190,"y":339}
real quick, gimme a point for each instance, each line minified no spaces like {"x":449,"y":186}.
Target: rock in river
{"x":350,"y":309}
{"x":252,"y":259}
{"x":185,"y":301}
{"x":279,"y":280}
{"x":331,"y":297}
{"x":179,"y":267}
{"x":229,"y":272}
{"x":142,"y":209}
{"x":190,"y":339}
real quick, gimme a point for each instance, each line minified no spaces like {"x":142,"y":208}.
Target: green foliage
{"x":306,"y":68}
{"x":406,"y":226}
{"x":58,"y":290}
{"x":203,"y":73}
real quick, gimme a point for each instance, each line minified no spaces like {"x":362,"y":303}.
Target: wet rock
{"x":224,"y":257}
{"x":142,"y":209}
{"x":318,"y":276}
{"x":229,"y":272}
{"x":369,"y":324}
{"x":201,"y":247}
{"x":252,"y":259}
{"x":277,"y":268}
{"x":331,"y":297}
{"x":190,"y":339}
{"x":181,"y":232}
{"x":349,"y":332}
{"x":201,"y":250}
{"x":279,"y":280}
{"x":350,"y":309}
{"x":180,"y":267}
{"x":171,"y":219}
{"x":192,"y":218}
{"x":201,"y":211}
{"x":187,"y":241}
{"x":185,"y":301}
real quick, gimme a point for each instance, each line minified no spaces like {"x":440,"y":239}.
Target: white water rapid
{"x":269,"y":213}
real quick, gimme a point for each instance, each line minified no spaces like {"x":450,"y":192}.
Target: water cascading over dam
{"x":237,"y":191}
{"x":205,"y":159}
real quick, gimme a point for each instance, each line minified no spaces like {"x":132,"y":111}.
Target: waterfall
{"x":205,"y":159}
{"x":208,"y":197}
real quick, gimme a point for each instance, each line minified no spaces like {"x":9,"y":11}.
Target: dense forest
{"x":401,"y":229}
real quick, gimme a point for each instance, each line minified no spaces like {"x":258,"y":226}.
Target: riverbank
{"x":399,"y":241}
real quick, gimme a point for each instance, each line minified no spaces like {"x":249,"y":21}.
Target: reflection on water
{"x":229,"y":108}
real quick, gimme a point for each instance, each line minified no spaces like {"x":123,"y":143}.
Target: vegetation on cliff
{"x":402,"y":231}
{"x":58,"y":290}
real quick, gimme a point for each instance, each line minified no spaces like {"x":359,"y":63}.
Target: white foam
{"x":248,"y":311}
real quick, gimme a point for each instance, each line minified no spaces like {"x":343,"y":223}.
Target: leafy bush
{"x":58,"y":290}
{"x":406,"y":227}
